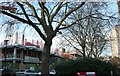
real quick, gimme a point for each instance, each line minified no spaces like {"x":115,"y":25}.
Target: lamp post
{"x":5,"y":51}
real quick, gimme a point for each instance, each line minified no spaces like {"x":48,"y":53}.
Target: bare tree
{"x":42,"y":15}
{"x":119,"y":6}
{"x":89,"y":34}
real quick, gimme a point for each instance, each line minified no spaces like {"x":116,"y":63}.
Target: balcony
{"x":11,"y":59}
{"x":29,"y":59}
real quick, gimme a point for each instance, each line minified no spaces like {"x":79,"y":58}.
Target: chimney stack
{"x":37,"y":43}
{"x":56,"y":51}
{"x":41,"y":44}
{"x":63,"y":50}
{"x":16,"y":38}
{"x":23,"y":39}
{"x":32,"y":41}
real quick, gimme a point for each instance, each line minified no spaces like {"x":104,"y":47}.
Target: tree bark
{"x":45,"y":58}
{"x":84,"y":55}
{"x":119,"y":6}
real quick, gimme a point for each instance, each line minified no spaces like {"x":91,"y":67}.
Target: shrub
{"x":70,"y":67}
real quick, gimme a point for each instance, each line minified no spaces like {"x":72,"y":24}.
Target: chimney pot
{"x":32,"y":41}
{"x":63,"y":50}
{"x":37,"y":42}
{"x":56,"y":51}
{"x":16,"y":40}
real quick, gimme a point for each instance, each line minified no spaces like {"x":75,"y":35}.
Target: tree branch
{"x":56,"y":11}
{"x":21,"y":6}
{"x":34,"y":11}
{"x":27,"y":22}
{"x":16,"y":17}
{"x":72,"y":45}
{"x":47,"y":13}
{"x":72,"y":23}
{"x":65,"y":16}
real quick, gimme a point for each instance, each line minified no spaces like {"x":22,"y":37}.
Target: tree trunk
{"x":45,"y":58}
{"x":119,"y":6}
{"x":84,"y":52}
{"x":83,"y":49}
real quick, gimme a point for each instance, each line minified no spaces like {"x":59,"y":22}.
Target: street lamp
{"x":5,"y":51}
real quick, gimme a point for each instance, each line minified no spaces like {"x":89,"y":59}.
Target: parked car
{"x":26,"y":72}
{"x":52,"y":73}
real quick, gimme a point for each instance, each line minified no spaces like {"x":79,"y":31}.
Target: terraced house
{"x":26,"y":55}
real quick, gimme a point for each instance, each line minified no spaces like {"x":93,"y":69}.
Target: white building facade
{"x":115,"y":41}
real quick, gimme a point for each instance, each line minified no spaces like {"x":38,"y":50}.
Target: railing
{"x":31,"y":59}
{"x":11,"y":59}
{"x":27,"y":59}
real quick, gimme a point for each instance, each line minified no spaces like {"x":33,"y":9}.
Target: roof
{"x":67,"y":55}
{"x":30,"y":44}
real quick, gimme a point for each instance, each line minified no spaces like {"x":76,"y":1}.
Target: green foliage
{"x":69,"y":68}
{"x":14,"y":66}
